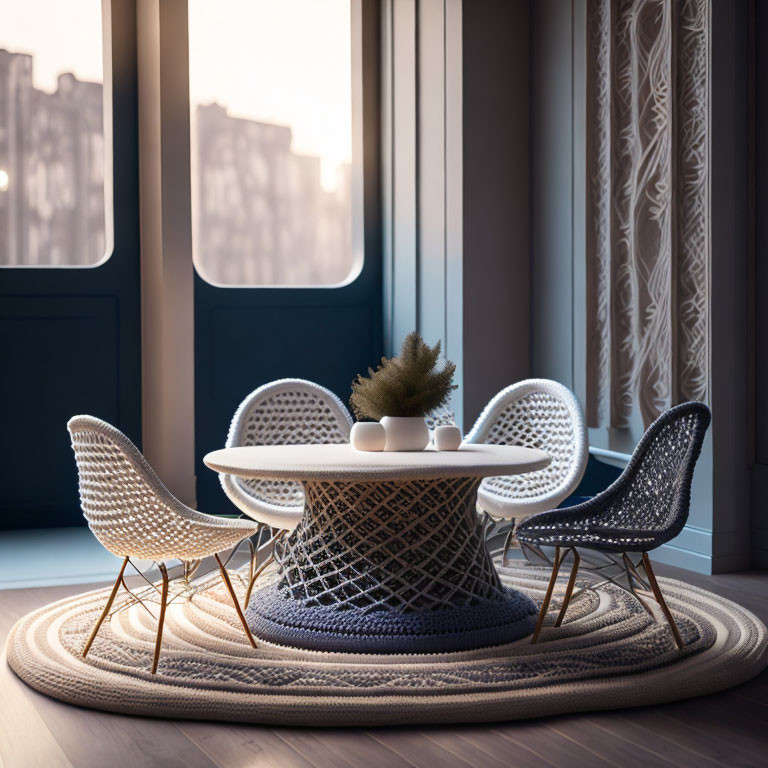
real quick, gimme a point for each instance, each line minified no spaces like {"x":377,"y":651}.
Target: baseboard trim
{"x":58,"y":581}
{"x":670,"y":554}
{"x":691,"y":549}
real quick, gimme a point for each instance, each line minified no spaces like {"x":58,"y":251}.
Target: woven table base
{"x":389,"y":567}
{"x":607,"y":654}
{"x":283,"y":621}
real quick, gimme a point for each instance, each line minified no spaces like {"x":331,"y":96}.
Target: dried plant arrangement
{"x":404,"y":386}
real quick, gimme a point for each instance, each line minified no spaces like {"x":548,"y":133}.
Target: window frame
{"x":109,"y":192}
{"x":364,"y":76}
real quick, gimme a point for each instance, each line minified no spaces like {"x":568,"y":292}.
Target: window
{"x":52,"y":193}
{"x":271,"y":127}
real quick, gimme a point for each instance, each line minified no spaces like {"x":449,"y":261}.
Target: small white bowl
{"x":447,"y":437}
{"x":368,"y":436}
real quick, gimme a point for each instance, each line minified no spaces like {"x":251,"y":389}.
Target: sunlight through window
{"x":270,"y":110}
{"x":52,"y":197}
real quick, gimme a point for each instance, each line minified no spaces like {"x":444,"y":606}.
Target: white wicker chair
{"x":283,"y":412}
{"x":134,"y":515}
{"x":439,"y":417}
{"x":536,"y":413}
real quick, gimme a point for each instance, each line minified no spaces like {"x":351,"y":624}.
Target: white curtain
{"x":647,"y":207}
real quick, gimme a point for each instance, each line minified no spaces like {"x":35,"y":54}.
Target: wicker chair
{"x":439,"y":417}
{"x":536,"y":413}
{"x":134,"y":515}
{"x":643,"y":509}
{"x":283,"y":412}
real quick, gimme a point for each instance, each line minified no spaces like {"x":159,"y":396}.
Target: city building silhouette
{"x":260,"y":213}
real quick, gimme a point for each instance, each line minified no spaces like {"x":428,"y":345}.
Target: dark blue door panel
{"x":51,"y":372}
{"x":246,"y":337}
{"x":70,"y":338}
{"x":321,"y":336}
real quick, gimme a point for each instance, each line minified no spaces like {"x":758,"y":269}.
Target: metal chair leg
{"x":161,"y":619}
{"x":548,"y":596}
{"x":569,"y":588}
{"x":104,"y":613}
{"x":254,"y":578}
{"x":632,"y":575}
{"x":507,"y":541}
{"x":253,"y":554}
{"x":275,"y":535}
{"x":241,"y":616}
{"x":660,"y":600}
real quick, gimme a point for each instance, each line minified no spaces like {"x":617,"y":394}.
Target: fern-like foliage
{"x":407,"y":385}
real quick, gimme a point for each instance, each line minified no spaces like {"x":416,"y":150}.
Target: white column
{"x":166,"y":244}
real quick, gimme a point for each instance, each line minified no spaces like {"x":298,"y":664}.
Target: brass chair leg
{"x":276,"y":535}
{"x":548,"y":596}
{"x":569,"y":588}
{"x":254,"y":578}
{"x":660,"y":600}
{"x":161,"y":619}
{"x":253,"y":557}
{"x":507,"y":541}
{"x":104,"y":613}
{"x":241,"y":616}
{"x":629,"y":567}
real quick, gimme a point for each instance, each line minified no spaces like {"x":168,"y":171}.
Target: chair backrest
{"x":285,"y":412}
{"x":535,"y":413}
{"x":653,"y":493}
{"x":439,"y":417}
{"x":125,"y":503}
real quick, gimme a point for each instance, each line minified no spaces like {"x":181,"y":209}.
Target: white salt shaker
{"x":368,"y":436}
{"x":447,"y":437}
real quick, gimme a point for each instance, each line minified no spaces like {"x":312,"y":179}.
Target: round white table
{"x":389,"y":556}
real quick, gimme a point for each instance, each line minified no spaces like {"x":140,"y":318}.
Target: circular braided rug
{"x":607,"y":654}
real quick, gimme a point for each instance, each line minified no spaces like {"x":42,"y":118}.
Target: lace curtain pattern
{"x":647,"y":207}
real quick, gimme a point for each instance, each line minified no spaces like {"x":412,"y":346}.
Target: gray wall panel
{"x":496,"y":182}
{"x":552,"y":191}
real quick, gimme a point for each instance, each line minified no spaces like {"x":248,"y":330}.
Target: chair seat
{"x":501,"y":508}
{"x":285,"y":518}
{"x":589,"y":538}
{"x":203,"y":539}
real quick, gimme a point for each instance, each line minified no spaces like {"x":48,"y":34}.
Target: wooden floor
{"x":728,"y":729}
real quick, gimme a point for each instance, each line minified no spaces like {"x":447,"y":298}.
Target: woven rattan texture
{"x":396,"y":546}
{"x":285,"y":412}
{"x":535,"y":413}
{"x":130,"y":511}
{"x":608,"y":653}
{"x":648,"y":505}
{"x":275,"y":618}
{"x":538,"y":420}
{"x":439,"y":417}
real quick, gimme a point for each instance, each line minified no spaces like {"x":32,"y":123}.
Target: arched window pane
{"x":271,"y":114}
{"x":52,"y":197}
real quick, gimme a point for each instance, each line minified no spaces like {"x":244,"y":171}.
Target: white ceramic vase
{"x":368,"y":436}
{"x":447,"y":437}
{"x":405,"y":433}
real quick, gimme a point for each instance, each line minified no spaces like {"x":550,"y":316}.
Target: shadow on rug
{"x":608,"y":654}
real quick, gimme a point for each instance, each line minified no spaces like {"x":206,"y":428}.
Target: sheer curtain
{"x":647,"y":207}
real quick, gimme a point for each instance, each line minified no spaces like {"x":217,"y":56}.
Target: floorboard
{"x":723,"y":729}
{"x":233,"y":746}
{"x":550,"y":745}
{"x":415,"y":748}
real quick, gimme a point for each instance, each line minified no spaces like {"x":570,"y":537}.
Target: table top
{"x":343,"y":462}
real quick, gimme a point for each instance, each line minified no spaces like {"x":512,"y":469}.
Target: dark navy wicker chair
{"x":643,"y":509}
